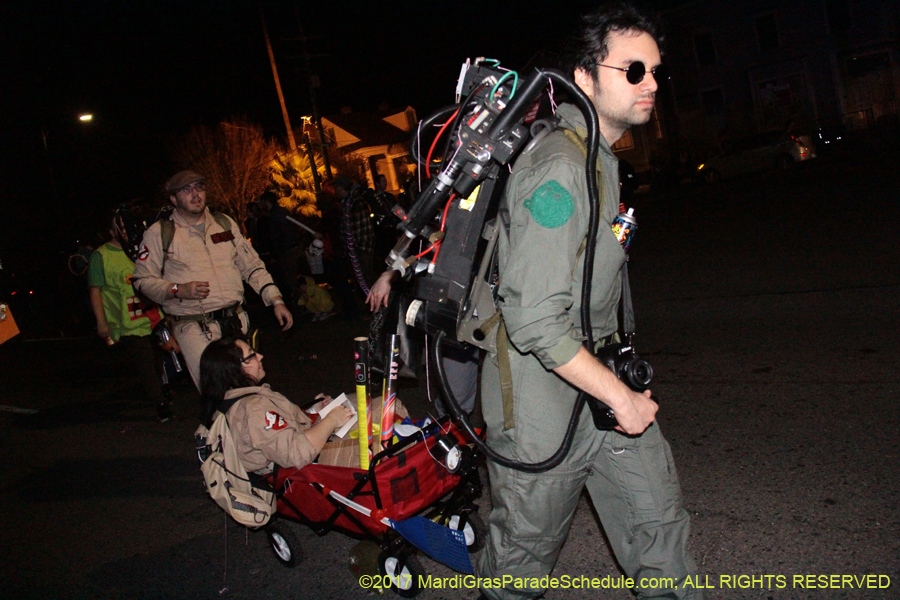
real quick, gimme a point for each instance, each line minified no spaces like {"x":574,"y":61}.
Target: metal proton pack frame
{"x":456,"y":216}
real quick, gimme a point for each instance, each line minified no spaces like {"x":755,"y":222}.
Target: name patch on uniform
{"x":225,"y":236}
{"x":551,"y":205}
{"x":274,"y":421}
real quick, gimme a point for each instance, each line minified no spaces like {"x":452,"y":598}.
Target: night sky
{"x":149,"y":70}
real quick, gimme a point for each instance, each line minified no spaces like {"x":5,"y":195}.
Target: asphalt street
{"x":767,"y":305}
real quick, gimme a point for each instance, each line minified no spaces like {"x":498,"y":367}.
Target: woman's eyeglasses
{"x":635,"y":72}
{"x":248,"y":358}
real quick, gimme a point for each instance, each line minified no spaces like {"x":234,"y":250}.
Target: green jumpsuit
{"x":631,"y":480}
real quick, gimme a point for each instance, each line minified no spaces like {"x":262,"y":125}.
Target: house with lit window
{"x":381,"y":139}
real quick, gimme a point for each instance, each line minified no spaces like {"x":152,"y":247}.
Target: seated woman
{"x":267,"y":427}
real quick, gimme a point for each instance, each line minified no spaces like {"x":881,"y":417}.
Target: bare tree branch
{"x":236,"y":159}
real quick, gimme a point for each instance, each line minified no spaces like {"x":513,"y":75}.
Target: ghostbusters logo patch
{"x":144,"y":253}
{"x":274,"y":421}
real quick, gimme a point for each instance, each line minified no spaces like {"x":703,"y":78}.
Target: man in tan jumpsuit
{"x":198,"y":279}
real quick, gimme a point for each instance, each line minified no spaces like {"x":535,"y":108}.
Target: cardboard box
{"x":345,"y":452}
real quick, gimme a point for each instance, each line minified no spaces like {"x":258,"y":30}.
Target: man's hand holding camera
{"x":637,"y":413}
{"x":634,"y":411}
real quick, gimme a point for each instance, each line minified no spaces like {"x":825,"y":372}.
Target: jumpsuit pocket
{"x":661,"y":466}
{"x":646,"y":470}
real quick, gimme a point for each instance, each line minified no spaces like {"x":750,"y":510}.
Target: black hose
{"x":460,"y":417}
{"x":593,"y":134}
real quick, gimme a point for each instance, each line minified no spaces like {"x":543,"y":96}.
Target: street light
{"x":85,"y":117}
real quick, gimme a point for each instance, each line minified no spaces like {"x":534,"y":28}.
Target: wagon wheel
{"x":474,"y":530}
{"x":405,"y":581}
{"x":284,"y":545}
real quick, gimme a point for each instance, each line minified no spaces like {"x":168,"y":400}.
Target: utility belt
{"x":216,"y":315}
{"x":228,"y":319}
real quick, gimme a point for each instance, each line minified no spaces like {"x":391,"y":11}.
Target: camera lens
{"x":640,"y":373}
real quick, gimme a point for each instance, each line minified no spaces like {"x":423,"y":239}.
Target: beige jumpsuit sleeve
{"x":252,"y":268}
{"x":271,"y":430}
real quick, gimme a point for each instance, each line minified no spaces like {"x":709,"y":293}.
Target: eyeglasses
{"x":635,"y":72}
{"x":199,"y":186}
{"x":248,"y":358}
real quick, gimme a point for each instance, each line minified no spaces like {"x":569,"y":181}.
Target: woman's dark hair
{"x":590,"y":44}
{"x":221,"y":370}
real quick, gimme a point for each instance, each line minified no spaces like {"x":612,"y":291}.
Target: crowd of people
{"x":193,"y":266}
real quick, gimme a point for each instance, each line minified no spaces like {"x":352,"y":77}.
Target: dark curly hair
{"x":590,"y":44}
{"x":221,"y":370}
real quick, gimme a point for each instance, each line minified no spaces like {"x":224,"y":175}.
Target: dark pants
{"x":286,"y":273}
{"x":340,"y":275}
{"x":140,"y":356}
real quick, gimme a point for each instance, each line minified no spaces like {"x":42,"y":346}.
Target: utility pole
{"x":317,"y":184}
{"x":44,"y":133}
{"x":287,"y":121}
{"x":312,"y":81}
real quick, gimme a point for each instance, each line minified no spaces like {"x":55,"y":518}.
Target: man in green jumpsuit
{"x":631,"y":478}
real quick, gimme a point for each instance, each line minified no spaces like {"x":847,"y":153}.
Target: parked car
{"x":761,"y":152}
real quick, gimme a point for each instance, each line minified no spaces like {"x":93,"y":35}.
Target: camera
{"x":631,"y":369}
{"x":634,"y":371}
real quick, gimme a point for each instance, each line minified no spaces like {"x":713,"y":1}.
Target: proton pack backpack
{"x":249,"y":502}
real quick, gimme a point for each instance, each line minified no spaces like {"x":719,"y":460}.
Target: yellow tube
{"x":361,"y":348}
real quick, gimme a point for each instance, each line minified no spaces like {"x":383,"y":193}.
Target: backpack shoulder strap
{"x":223,"y":220}
{"x":573,"y":137}
{"x":227,"y":404}
{"x":579,"y":143}
{"x":166,"y":234}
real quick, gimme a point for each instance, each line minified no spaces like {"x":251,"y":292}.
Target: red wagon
{"x":431,"y":476}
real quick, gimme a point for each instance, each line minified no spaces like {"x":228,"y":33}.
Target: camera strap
{"x":627,"y":308}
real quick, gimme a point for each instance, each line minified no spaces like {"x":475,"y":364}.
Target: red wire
{"x":437,"y":245}
{"x":427,"y":250}
{"x":434,"y":143}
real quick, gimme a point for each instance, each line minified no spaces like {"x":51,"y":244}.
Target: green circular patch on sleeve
{"x":551,"y":205}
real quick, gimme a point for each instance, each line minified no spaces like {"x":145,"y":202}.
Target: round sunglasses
{"x":635,"y":72}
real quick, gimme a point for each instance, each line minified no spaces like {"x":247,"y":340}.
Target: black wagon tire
{"x":474,"y":530}
{"x":405,"y":581}
{"x":284,"y":544}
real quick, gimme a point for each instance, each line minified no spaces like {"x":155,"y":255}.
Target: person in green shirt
{"x":124,"y":321}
